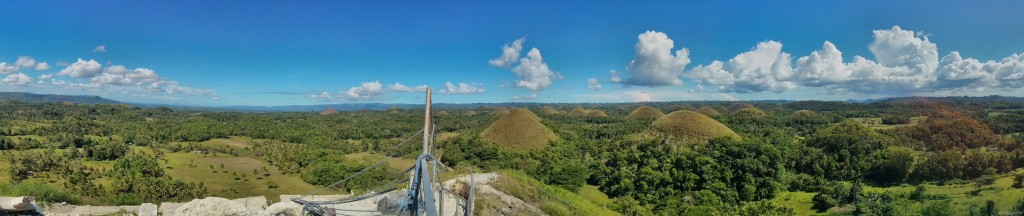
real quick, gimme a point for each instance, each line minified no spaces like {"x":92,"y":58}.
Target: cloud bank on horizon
{"x":92,"y":77}
{"x":904,"y":61}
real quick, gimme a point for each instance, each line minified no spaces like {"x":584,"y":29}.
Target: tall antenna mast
{"x":427,"y":125}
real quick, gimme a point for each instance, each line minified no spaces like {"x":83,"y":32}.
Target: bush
{"x":552,"y":208}
{"x":937,"y":208}
{"x":765,"y":208}
{"x":1018,"y":180}
{"x":45,"y":192}
{"x":919,"y":193}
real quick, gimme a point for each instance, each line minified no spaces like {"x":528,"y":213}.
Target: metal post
{"x":472,"y":185}
{"x":426,"y":125}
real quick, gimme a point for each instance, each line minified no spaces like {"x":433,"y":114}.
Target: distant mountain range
{"x":52,"y":98}
{"x":92,"y":99}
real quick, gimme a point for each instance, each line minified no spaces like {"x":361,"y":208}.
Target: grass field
{"x":394,"y":163}
{"x":876,"y":123}
{"x":551,"y":197}
{"x":221,"y":182}
{"x":1001,"y":192}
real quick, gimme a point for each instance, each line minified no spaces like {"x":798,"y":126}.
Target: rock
{"x":167,"y":208}
{"x":212,"y":206}
{"x":100,"y":210}
{"x":17,"y":203}
{"x":284,"y":208}
{"x":391,"y":202}
{"x":254,"y":204}
{"x":147,"y":209}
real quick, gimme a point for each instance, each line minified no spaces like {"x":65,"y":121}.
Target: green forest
{"x":902,"y":156}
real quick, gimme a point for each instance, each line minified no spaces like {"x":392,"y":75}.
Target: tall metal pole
{"x":426,"y":125}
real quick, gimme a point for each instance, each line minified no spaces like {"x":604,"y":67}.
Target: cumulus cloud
{"x":398,"y":87}
{"x":322,"y":96}
{"x":7,"y":68}
{"x":655,"y":63}
{"x":509,"y":54}
{"x":374,"y":90}
{"x":25,"y":62}
{"x":100,"y":48}
{"x":902,"y":48}
{"x":532,"y":72}
{"x":18,"y":79}
{"x":615,"y":76}
{"x":462,"y":88}
{"x":114,"y":78}
{"x":764,"y":68}
{"x":91,"y":87}
{"x":42,"y":66}
{"x":22,"y":62}
{"x":593,"y":84}
{"x":904,"y":62}
{"x":119,"y":75}
{"x":82,"y":68}
{"x":365,"y":91}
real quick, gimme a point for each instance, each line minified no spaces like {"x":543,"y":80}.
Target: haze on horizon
{"x":292,"y":53}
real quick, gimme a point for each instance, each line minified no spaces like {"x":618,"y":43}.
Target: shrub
{"x":937,"y":208}
{"x":45,"y":192}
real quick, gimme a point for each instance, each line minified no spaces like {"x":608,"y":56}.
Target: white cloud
{"x":655,"y":64}
{"x":82,"y":69}
{"x":822,"y":67}
{"x":509,"y":54}
{"x":659,"y":95}
{"x":120,"y":75}
{"x":901,"y":48}
{"x":92,"y":87}
{"x":906,"y":62}
{"x":7,"y":68}
{"x":593,"y":84}
{"x":526,"y":97}
{"x":142,"y":76}
{"x":116,"y":70}
{"x":615,"y":76}
{"x":118,"y":78}
{"x":398,"y":87}
{"x":100,"y":48}
{"x":1009,"y":71}
{"x":462,"y":88}
{"x":25,"y":62}
{"x":323,"y":96}
{"x":532,"y":72}
{"x":765,"y":68}
{"x":42,"y":66}
{"x":18,"y":79}
{"x":375,"y":91}
{"x":366,"y":91}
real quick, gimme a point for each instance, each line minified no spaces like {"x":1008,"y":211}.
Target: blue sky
{"x":298,"y":52}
